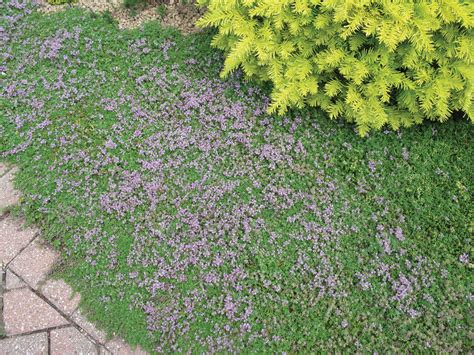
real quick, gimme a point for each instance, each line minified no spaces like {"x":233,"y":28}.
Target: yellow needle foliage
{"x":372,"y":62}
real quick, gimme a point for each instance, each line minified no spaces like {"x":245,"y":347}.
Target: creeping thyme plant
{"x":190,"y":220}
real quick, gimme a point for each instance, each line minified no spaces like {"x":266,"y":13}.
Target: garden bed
{"x":190,"y":220}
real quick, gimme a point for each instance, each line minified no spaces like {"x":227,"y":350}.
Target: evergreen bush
{"x":372,"y":62}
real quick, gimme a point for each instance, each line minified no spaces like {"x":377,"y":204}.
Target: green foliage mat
{"x":190,"y":220}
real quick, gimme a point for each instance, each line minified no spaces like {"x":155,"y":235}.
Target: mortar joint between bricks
{"x":2,"y":289}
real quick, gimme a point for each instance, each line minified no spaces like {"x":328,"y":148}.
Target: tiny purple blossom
{"x":464,"y":258}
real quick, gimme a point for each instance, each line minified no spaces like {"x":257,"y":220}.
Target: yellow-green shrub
{"x":373,"y":62}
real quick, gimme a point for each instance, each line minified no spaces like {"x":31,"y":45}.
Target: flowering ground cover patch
{"x":190,"y":220}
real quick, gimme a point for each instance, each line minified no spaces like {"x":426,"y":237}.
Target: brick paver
{"x":2,"y":289}
{"x":25,"y":312}
{"x":8,"y":195}
{"x":34,"y":344}
{"x":61,"y":295}
{"x":34,"y":263}
{"x":3,"y":169}
{"x":13,"y":238}
{"x":12,"y":281}
{"x":104,"y":351}
{"x":90,"y":328}
{"x":118,"y":347}
{"x":70,"y":341}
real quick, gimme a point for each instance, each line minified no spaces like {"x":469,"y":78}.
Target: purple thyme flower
{"x":464,"y":258}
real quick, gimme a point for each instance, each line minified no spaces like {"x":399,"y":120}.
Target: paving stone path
{"x":39,"y":315}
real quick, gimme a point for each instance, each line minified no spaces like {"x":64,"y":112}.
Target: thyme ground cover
{"x":190,"y":220}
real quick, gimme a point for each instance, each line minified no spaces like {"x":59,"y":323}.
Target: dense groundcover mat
{"x":190,"y":220}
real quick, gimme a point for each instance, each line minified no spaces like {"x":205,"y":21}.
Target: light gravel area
{"x":182,"y":16}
